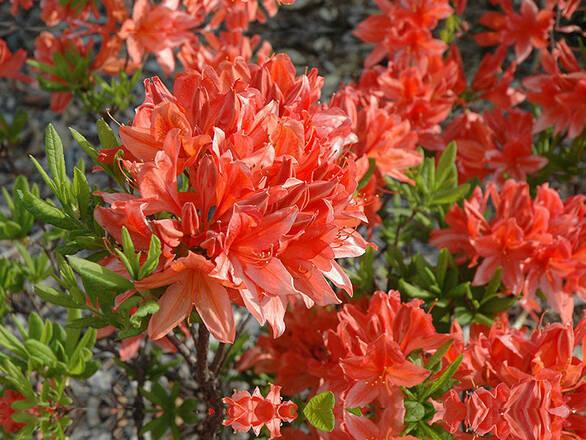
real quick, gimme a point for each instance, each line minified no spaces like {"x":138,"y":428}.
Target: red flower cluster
{"x":362,"y":358}
{"x":47,"y":46}
{"x":560,"y":95}
{"x":6,"y":411}
{"x":494,"y":144}
{"x":393,"y":108}
{"x":536,"y":386}
{"x":246,"y":411}
{"x":11,"y":63}
{"x":525,"y":30}
{"x":157,"y":28}
{"x":539,"y":243}
{"x":225,"y":47}
{"x":247,"y":182}
{"x":403,"y":30}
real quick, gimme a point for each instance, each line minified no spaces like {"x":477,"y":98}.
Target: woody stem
{"x":209,"y":385}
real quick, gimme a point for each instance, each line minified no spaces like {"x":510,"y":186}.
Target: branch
{"x":209,"y":385}
{"x":182,"y":349}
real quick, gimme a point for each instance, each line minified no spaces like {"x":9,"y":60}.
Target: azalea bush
{"x":403,"y":259}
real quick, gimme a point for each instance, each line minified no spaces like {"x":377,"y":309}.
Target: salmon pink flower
{"x":525,"y":30}
{"x":249,"y":184}
{"x":190,"y":285}
{"x":11,"y":63}
{"x":254,"y":411}
{"x":157,"y":29}
{"x":535,"y":241}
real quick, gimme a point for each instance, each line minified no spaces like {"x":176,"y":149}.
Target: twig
{"x":401,"y":226}
{"x":211,"y":424}
{"x":239,"y":331}
{"x":182,"y":349}
{"x":218,"y":357}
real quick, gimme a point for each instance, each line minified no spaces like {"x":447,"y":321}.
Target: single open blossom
{"x":254,"y":411}
{"x":6,"y":411}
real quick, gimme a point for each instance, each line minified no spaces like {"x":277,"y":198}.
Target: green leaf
{"x":464,"y":315}
{"x":414,"y":291}
{"x":24,"y":417}
{"x":319,"y":411}
{"x":446,"y":166}
{"x":355,"y":411}
{"x":56,"y":297}
{"x":414,"y":411}
{"x":53,"y":86}
{"x":450,"y":195}
{"x":40,"y":351}
{"x":497,"y":305}
{"x":35,"y":326}
{"x":494,"y":283}
{"x":100,"y":276}
{"x":23,"y":405}
{"x":12,"y":343}
{"x":84,"y":144}
{"x":147,"y":308}
{"x":82,"y":193}
{"x":444,"y":260}
{"x":46,"y":212}
{"x":438,"y":355}
{"x":55,"y":156}
{"x":106,"y":135}
{"x":187,"y":411}
{"x":367,"y":176}
{"x":152,"y":260}
{"x":441,"y":381}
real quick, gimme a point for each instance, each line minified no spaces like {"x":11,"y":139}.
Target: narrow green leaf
{"x":99,"y":275}
{"x":40,"y":351}
{"x":56,"y":297}
{"x":450,"y":195}
{"x":494,"y":283}
{"x":84,"y":144}
{"x":414,"y":291}
{"x":443,"y":379}
{"x":438,"y":355}
{"x":152,"y":260}
{"x":446,"y":165}
{"x":107,"y":138}
{"x":47,"y":213}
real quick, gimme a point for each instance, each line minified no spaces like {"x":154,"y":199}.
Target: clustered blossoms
{"x":539,"y":243}
{"x":360,"y":353}
{"x":523,"y":386}
{"x":254,"y":189}
{"x":254,"y":411}
{"x":148,"y":28}
{"x":268,"y":192}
